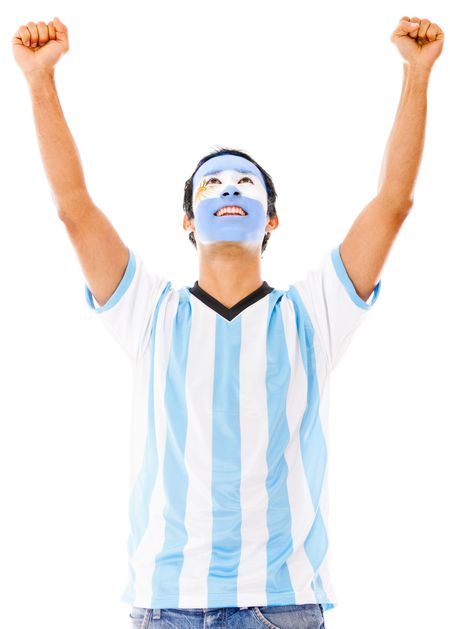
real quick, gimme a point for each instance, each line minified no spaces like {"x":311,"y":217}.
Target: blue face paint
{"x":229,"y":180}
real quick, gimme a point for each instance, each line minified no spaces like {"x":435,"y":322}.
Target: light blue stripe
{"x":226,"y":465}
{"x":312,"y":444}
{"x":169,"y":561}
{"x":348,"y":284}
{"x":279,"y":519}
{"x":143,"y":488}
{"x":121,"y":288}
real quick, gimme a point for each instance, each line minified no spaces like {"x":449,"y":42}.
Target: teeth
{"x":232,"y":209}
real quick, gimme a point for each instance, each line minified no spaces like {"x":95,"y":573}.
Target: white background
{"x":310,"y":91}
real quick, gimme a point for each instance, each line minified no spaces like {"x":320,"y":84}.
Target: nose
{"x":231,"y":190}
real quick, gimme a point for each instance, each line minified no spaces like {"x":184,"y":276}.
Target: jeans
{"x":308,"y":616}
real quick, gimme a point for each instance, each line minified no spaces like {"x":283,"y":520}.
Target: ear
{"x":188,"y":223}
{"x":272,"y":223}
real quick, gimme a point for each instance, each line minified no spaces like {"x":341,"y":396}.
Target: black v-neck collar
{"x":230,"y":313}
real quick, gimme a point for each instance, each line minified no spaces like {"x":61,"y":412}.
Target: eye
{"x":248,"y":179}
{"x":213,"y":180}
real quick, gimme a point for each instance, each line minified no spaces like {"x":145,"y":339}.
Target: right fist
{"x":38,"y":46}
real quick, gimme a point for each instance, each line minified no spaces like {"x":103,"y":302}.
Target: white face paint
{"x":214,"y":185}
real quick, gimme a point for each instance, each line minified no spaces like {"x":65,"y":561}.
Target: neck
{"x":229,"y":271}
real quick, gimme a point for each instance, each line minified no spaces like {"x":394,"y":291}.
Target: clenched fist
{"x":38,"y":46}
{"x":419,"y":41}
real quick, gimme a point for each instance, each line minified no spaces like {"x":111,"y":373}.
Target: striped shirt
{"x":228,"y":501}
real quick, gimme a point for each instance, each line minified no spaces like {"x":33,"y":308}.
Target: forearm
{"x":59,"y":153}
{"x":406,"y":141}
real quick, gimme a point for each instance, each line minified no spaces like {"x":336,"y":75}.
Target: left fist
{"x":419,"y":41}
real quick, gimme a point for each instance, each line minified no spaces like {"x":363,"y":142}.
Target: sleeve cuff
{"x":120,"y":290}
{"x":348,"y":284}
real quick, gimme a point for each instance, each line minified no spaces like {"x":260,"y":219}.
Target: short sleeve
{"x":335,"y":308}
{"x":128,"y":313}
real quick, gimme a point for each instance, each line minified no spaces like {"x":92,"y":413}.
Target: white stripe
{"x":254,"y":442}
{"x":198,"y":455}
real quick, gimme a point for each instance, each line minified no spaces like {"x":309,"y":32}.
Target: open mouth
{"x":230,"y":210}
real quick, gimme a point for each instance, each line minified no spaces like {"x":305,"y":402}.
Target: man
{"x":228,"y":496}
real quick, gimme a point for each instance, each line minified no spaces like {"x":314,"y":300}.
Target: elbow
{"x":406,"y":206}
{"x":397,"y":204}
{"x":402,"y":210}
{"x":73,"y":205}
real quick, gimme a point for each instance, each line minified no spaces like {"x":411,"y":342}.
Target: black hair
{"x":271,"y":194}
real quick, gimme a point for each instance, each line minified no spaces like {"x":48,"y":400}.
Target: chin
{"x":232,"y":245}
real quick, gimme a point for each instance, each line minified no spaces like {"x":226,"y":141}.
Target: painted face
{"x":229,"y":200}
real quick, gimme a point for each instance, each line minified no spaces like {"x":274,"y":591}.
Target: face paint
{"x":224,"y":181}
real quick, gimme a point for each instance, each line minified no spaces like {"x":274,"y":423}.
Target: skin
{"x":366,"y":246}
{"x":228,"y":270}
{"x":224,"y":258}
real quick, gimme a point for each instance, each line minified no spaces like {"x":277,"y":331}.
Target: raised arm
{"x":103,"y":256}
{"x":367,"y":244}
